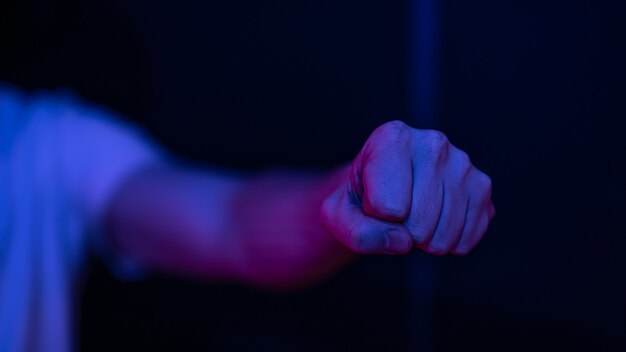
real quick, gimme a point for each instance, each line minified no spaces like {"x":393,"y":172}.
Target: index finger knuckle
{"x":393,"y":132}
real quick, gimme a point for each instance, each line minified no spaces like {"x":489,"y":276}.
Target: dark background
{"x":535,"y":92}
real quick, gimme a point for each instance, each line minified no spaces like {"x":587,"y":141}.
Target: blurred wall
{"x":534,"y":91}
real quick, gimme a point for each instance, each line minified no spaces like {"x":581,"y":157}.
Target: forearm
{"x":277,"y":225}
{"x":176,"y":218}
{"x":262,"y":230}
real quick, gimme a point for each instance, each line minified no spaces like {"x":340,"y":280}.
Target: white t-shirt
{"x":60,"y":163}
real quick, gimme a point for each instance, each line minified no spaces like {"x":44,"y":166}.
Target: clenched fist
{"x":410,"y":188}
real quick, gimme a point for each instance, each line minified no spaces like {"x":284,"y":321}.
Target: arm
{"x":406,"y":188}
{"x":262,"y":230}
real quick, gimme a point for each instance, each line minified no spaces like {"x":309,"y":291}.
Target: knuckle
{"x":395,"y":126}
{"x":437,"y":138}
{"x":485,"y":181}
{"x":463,"y":163}
{"x":436,"y":143}
{"x":394,"y":132}
{"x":464,"y":159}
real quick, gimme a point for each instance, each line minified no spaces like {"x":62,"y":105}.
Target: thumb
{"x":347,"y":222}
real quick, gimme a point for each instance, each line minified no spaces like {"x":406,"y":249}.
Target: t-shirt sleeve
{"x":100,"y":152}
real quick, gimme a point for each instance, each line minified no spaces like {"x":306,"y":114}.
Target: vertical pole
{"x":424,"y":28}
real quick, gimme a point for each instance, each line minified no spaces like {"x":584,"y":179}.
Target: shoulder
{"x":89,"y":148}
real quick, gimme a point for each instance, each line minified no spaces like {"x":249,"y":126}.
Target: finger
{"x":479,"y":215}
{"x":361,"y":233}
{"x":426,"y":204}
{"x":473,"y":234}
{"x":469,"y":229}
{"x":457,"y":172}
{"x":451,"y":223}
{"x":386,"y":173}
{"x":430,"y":152}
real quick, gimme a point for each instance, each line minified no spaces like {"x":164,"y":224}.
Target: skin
{"x":407,"y":188}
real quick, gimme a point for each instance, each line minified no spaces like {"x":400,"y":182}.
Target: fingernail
{"x":396,"y":242}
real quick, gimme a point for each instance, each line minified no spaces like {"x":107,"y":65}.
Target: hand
{"x":406,"y":188}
